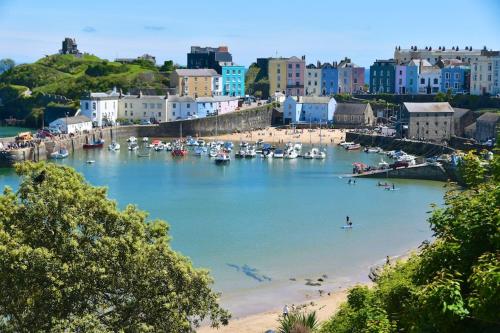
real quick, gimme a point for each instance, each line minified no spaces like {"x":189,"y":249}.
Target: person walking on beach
{"x":285,"y":311}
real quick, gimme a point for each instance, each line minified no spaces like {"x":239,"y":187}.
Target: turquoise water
{"x":9,"y":131}
{"x":282,"y":218}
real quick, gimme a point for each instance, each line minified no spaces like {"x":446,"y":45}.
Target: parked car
{"x":145,"y":122}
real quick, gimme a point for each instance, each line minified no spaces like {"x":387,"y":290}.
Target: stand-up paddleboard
{"x":391,"y":189}
{"x":348,"y":226}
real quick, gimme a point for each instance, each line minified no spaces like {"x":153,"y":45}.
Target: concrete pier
{"x":423,"y":171}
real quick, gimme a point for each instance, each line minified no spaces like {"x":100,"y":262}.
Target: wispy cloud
{"x":89,"y":29}
{"x":154,"y":27}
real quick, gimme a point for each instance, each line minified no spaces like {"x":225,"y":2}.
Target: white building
{"x":309,"y":109}
{"x":217,"y":85}
{"x":434,"y":54}
{"x":143,"y":107}
{"x":76,"y":124}
{"x":100,"y":108}
{"x":485,"y":73}
{"x":312,"y":80}
{"x":181,"y":107}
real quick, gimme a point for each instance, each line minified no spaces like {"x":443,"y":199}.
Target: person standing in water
{"x":348,"y":221}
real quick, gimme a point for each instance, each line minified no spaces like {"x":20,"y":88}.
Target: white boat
{"x":145,"y":139}
{"x":383,"y":164}
{"x":311,"y":154}
{"x":132,"y":139}
{"x":133,"y":146}
{"x":321,"y":155}
{"x":346,"y":143}
{"x":267,"y":153}
{"x":213,"y":152}
{"x":372,"y":149}
{"x":114,"y":146}
{"x":250,"y":153}
{"x":244,"y":144}
{"x":240,"y":153}
{"x":201,"y":143}
{"x":222,"y":158}
{"x":297,"y":147}
{"x":60,"y":154}
{"x":353,"y":146}
{"x":291,"y":154}
{"x":159,"y":147}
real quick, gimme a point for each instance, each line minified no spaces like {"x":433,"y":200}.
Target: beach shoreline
{"x":325,"y":304}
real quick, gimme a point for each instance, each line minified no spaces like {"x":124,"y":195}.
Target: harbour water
{"x":264,"y":226}
{"x":11,"y":131}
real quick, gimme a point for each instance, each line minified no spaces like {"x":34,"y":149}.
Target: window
{"x":173,"y":113}
{"x":447,"y":85}
{"x":289,"y":75}
{"x":447,"y":76}
{"x":188,"y":105}
{"x":489,"y":77}
{"x":144,"y":105}
{"x":456,"y":85}
{"x":297,"y":74}
{"x":174,"y":105}
{"x":86,"y":105}
{"x":278,"y":71}
{"x":290,"y":66}
{"x":489,"y":66}
{"x":144,"y":113}
{"x":125,"y":112}
{"x":422,"y":81}
{"x":297,"y":66}
{"x":159,"y":114}
{"x":435,"y":81}
{"x":457,"y":76}
{"x":400,"y":72}
{"x":151,"y":105}
{"x":131,"y":113}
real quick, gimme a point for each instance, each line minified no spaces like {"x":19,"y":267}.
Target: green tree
{"x":470,"y":169}
{"x":168,"y":66}
{"x":70,"y":261}
{"x":6,"y":65}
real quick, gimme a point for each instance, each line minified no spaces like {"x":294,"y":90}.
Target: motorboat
{"x":311,"y":154}
{"x":179,"y":151}
{"x":159,"y":147}
{"x":145,"y":139}
{"x":267,"y":153}
{"x":320,"y":155}
{"x":372,"y":149}
{"x":297,"y":147}
{"x":114,"y":146}
{"x":201,"y":143}
{"x":343,"y":144}
{"x":95,"y":144}
{"x":90,"y":162}
{"x":132,"y":139}
{"x":213,"y":152}
{"x":279,"y":153}
{"x":354,"y":146}
{"x":168,"y":146}
{"x":198,"y":151}
{"x":133,"y":146}
{"x":291,"y":154}
{"x":60,"y":154}
{"x":191,"y":142}
{"x":228,"y":145}
{"x":222,"y":158}
{"x":250,"y":153}
{"x":243,"y":144}
{"x":241,"y":153}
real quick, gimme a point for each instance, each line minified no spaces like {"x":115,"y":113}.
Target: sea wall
{"x":234,"y":122}
{"x":423,"y":172}
{"x":390,"y":143}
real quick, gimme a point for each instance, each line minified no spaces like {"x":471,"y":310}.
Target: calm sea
{"x":257,"y":224}
{"x":9,"y":131}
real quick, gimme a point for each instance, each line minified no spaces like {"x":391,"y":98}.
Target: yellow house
{"x":196,"y":82}
{"x":277,"y":75}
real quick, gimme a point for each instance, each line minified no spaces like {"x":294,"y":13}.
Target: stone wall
{"x":391,"y":143}
{"x":423,"y":172}
{"x":228,"y":123}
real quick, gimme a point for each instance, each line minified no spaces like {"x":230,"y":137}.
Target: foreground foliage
{"x":299,"y":322}
{"x":453,"y":285}
{"x":70,"y":261}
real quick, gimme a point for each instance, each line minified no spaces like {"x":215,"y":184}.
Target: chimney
{"x":304,"y":58}
{"x":318,"y":63}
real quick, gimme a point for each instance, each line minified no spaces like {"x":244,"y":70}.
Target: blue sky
{"x":320,"y":29}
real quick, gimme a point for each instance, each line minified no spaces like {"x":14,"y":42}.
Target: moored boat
{"x":222,"y":158}
{"x":179,"y":151}
{"x":354,"y":146}
{"x":133,"y":146}
{"x":60,"y":154}
{"x":96,"y":144}
{"x":132,"y":139}
{"x":278,"y":153}
{"x":114,"y":146}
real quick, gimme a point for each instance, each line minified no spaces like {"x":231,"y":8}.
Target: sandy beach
{"x":324,"y":306}
{"x":277,"y":136}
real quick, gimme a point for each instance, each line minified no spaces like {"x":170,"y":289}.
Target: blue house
{"x":206,"y":106}
{"x":308,"y":109}
{"x":455,"y":78}
{"x":412,"y":71}
{"x":329,"y":79}
{"x":233,"y":80}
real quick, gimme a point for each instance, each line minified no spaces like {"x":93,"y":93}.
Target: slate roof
{"x":315,"y":100}
{"x":490,"y":117}
{"x":428,"y":107}
{"x":350,"y":108}
{"x":75,"y":120}
{"x":196,"y":72}
{"x":180,"y":99}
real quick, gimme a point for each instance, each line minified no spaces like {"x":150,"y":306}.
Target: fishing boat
{"x":132,"y":139}
{"x":278,"y":153}
{"x":222,"y":158}
{"x":354,"y":146}
{"x":95,"y":144}
{"x":114,"y":146}
{"x":60,"y":154}
{"x":133,"y":146}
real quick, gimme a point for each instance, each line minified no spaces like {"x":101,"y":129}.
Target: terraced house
{"x":295,"y":76}
{"x":141,"y":107}
{"x":277,"y":75}
{"x":313,"y":80}
{"x":382,"y":76}
{"x":196,"y":82}
{"x":233,"y":80}
{"x":485,"y":73}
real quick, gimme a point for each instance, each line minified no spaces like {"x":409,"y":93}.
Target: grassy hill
{"x":69,"y":76}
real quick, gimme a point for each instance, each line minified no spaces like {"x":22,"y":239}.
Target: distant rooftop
{"x":196,"y":72}
{"x":428,"y":107}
